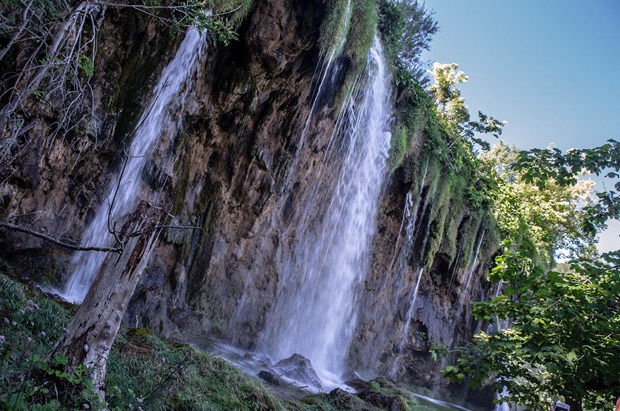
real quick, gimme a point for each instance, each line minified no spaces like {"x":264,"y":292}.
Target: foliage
{"x":547,"y":219}
{"x":451,"y":106}
{"x":27,"y":381}
{"x":540,"y":166}
{"x":563,"y":339}
{"x":441,"y":119}
{"x":407,"y":30}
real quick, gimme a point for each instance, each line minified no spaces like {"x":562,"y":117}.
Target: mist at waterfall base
{"x":158,"y":121}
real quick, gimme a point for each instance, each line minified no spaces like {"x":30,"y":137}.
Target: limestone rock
{"x":298,"y":368}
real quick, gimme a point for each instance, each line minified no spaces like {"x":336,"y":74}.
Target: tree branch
{"x":57,"y":241}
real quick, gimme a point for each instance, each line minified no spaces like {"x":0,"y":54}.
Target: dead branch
{"x":57,"y":241}
{"x":18,"y":32}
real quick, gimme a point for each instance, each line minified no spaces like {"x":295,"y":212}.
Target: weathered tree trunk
{"x":92,"y":331}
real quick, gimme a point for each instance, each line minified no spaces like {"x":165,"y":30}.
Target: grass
{"x":144,"y":371}
{"x":332,"y":28}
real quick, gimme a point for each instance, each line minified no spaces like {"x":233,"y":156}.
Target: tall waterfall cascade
{"x":316,"y":304}
{"x":159,"y":120}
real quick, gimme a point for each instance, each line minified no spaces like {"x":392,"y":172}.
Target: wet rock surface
{"x":298,"y":368}
{"x":270,"y":378}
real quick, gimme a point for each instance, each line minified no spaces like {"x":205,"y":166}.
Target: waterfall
{"x":414,"y":295}
{"x":158,"y":121}
{"x":472,"y":268}
{"x":470,"y":273}
{"x":315,"y":310}
{"x":410,"y":215}
{"x":410,"y":311}
{"x":328,"y":71}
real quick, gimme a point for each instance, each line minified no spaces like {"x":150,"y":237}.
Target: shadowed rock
{"x":270,"y":378}
{"x":299,"y":368}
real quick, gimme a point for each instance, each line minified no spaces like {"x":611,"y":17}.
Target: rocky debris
{"x":342,"y":399}
{"x":270,"y":378}
{"x":258,"y":359}
{"x":299,"y":368}
{"x":380,"y":400}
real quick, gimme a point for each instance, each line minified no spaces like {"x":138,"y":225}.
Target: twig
{"x":180,"y":227}
{"x":56,"y":241}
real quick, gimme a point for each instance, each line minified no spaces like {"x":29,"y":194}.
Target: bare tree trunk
{"x":92,"y":330}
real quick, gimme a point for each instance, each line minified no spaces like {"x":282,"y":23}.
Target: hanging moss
{"x":362,"y":32}
{"x":450,"y":244}
{"x":441,"y":207}
{"x":332,"y":28}
{"x":398,"y":146}
{"x":238,"y":9}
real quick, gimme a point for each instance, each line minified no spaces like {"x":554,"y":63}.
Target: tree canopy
{"x":564,"y":318}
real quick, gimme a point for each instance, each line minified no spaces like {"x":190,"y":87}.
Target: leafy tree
{"x":547,"y":220}
{"x":563,"y":341}
{"x":407,"y":29}
{"x":452,"y":107}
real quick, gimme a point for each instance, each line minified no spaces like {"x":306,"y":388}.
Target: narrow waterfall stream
{"x":470,"y":274}
{"x":315,"y":312}
{"x":410,"y":311}
{"x":410,"y":217}
{"x":159,"y":120}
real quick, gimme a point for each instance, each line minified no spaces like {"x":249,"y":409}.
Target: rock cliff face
{"x":55,"y":185}
{"x":237,"y":171}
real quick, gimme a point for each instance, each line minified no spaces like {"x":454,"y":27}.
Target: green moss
{"x":334,"y":27}
{"x":398,"y":146}
{"x":441,"y":208}
{"x":362,"y":32}
{"x":238,"y":9}
{"x":358,"y":34}
{"x":469,"y":233}
{"x":145,"y":369}
{"x":450,"y":239}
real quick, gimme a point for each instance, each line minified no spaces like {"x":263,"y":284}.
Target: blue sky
{"x":551,"y":68}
